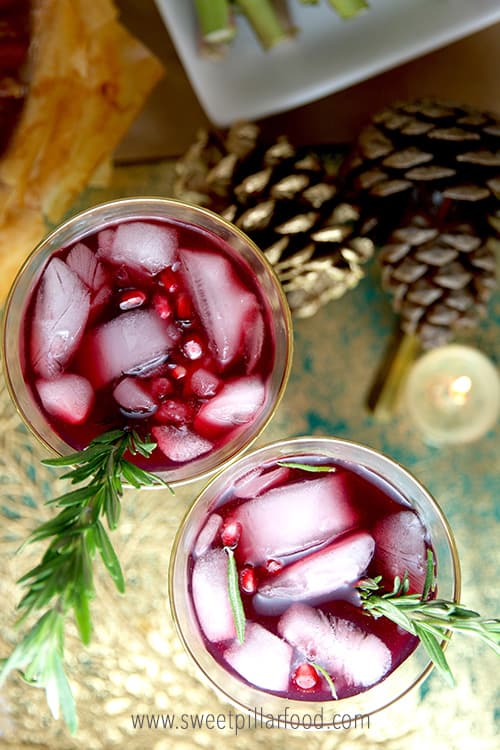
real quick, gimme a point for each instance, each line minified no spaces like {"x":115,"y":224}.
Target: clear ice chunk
{"x":295,"y":517}
{"x":221,"y":302}
{"x":211,"y":598}
{"x":134,"y":398}
{"x":139,"y":245}
{"x":60,"y":316}
{"x":321,"y":575}
{"x":257,"y":482}
{"x":83,"y":262}
{"x":132,"y":341}
{"x":237,"y":403}
{"x":400,"y":546}
{"x":68,"y":397}
{"x":179,"y":444}
{"x":337,"y":644}
{"x":207,"y":535}
{"x":262,"y":659}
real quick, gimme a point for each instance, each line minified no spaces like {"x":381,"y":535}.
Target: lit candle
{"x":453,"y":394}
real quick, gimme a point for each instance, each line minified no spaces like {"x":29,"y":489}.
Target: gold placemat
{"x":136,"y":664}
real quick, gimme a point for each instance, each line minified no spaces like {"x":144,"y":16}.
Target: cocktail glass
{"x":252,"y":700}
{"x":105,"y":215}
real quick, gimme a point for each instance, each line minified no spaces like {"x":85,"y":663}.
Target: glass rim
{"x":161,"y":202}
{"x":318,"y":440}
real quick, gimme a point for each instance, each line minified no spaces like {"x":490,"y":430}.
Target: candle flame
{"x":460,"y":388}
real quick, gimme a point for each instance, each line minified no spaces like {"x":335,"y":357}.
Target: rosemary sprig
{"x":431,"y":620}
{"x":233,"y":588}
{"x":314,"y":468}
{"x":63,"y":580}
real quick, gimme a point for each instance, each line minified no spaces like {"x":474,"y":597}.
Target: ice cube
{"x":68,"y":397}
{"x":295,"y":517}
{"x":83,"y":262}
{"x":400,"y":546}
{"x":262,"y":659}
{"x":211,"y":597}
{"x":207,"y":535}
{"x":337,"y":644}
{"x":255,"y":332}
{"x":221,"y":301}
{"x":309,"y":631}
{"x":257,"y":481}
{"x":237,"y":403}
{"x":139,"y":245}
{"x":362,"y":657}
{"x":134,"y":398}
{"x":134,"y":340}
{"x":60,"y":316}
{"x":179,"y":444}
{"x":204,"y":383}
{"x":321,"y":575}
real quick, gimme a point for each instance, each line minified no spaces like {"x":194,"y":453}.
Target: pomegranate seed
{"x":306,"y":677}
{"x":230,"y":534}
{"x":192,"y":349}
{"x":162,"y":306}
{"x":131,"y":298}
{"x":248,"y":580}
{"x":161,"y":387}
{"x":169,"y":280}
{"x":178,"y":372}
{"x":183,"y":307}
{"x":173,"y":412}
{"x":273,"y":566}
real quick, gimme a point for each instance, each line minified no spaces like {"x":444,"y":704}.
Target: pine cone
{"x":428,"y":174}
{"x":285,"y":200}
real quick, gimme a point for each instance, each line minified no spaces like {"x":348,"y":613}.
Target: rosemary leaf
{"x":313,"y":468}
{"x":235,"y":596}
{"x":322,"y":671}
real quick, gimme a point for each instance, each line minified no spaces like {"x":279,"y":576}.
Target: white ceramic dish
{"x":327,"y":55}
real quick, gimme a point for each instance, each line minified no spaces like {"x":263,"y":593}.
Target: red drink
{"x":301,"y":542}
{"x":163,"y":323}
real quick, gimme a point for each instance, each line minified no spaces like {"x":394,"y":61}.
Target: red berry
{"x":183,"y":307}
{"x":169,"y":280}
{"x":178,"y":372}
{"x":230,"y":534}
{"x":248,"y":580}
{"x":192,"y":349}
{"x":306,"y":677}
{"x":273,"y":566}
{"x":131,"y":298}
{"x":162,"y":306}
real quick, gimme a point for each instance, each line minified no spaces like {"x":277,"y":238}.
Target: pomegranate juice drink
{"x":294,"y":528}
{"x":153,"y":316}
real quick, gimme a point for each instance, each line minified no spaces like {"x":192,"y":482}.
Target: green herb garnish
{"x":431,"y":620}
{"x":322,"y":671}
{"x":313,"y":468}
{"x":235,"y":596}
{"x":63,"y":580}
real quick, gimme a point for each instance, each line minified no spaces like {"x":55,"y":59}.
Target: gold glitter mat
{"x":135,"y":663}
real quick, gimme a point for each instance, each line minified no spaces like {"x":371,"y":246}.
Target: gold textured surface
{"x":135,"y":663}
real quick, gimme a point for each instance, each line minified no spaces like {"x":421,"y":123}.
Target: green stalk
{"x":215,"y":21}
{"x":265,"y":21}
{"x":348,"y":8}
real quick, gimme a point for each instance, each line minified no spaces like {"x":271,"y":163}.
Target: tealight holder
{"x":452,"y":394}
